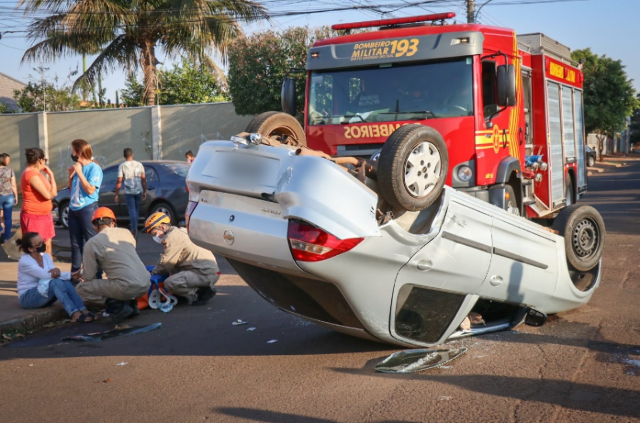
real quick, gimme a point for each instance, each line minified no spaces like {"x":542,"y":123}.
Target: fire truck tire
{"x":584,"y":234}
{"x":412,"y":167}
{"x":278,"y":125}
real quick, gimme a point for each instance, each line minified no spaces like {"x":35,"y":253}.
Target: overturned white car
{"x":315,"y":238}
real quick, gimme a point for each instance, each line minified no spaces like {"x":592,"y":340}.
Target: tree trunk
{"x":148,"y":61}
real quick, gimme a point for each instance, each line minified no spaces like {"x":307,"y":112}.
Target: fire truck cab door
{"x":523,"y":266}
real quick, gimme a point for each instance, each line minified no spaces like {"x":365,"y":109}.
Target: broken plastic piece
{"x":272,"y":341}
{"x":413,"y":361}
{"x":239,"y":322}
{"x":113,"y":333}
{"x":124,"y":363}
{"x":251,"y":329}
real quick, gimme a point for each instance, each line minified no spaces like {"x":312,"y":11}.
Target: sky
{"x":608,"y":27}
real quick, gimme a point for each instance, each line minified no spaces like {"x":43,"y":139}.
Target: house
{"x":7,"y":85}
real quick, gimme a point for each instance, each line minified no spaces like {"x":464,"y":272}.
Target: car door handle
{"x":424,"y":265}
{"x":495,"y":280}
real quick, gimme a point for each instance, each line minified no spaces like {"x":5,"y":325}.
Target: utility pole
{"x":471,"y":12}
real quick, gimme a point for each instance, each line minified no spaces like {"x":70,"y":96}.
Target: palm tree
{"x":127,"y":33}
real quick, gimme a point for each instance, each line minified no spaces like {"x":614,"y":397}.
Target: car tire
{"x":412,"y":167}
{"x":591,"y":161}
{"x":584,"y":234}
{"x":163,"y":207}
{"x":63,"y":214}
{"x":279,"y":125}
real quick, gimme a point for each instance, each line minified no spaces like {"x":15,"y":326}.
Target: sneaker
{"x":204,"y":295}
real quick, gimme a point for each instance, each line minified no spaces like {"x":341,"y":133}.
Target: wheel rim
{"x":163,"y":209}
{"x":283,"y":132}
{"x":65,"y":216}
{"x":422,"y":170}
{"x":585,"y":239}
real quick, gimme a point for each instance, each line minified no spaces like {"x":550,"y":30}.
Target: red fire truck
{"x":509,"y":108}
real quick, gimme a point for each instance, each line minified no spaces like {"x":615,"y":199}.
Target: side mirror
{"x":506,"y":85}
{"x":288,"y":96}
{"x":535,"y":318}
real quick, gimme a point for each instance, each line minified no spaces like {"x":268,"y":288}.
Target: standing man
{"x":135,"y":187}
{"x":193,"y":269}
{"x":114,"y":251}
{"x":189,"y":156}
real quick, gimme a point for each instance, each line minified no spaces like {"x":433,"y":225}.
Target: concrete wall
{"x":183,"y":127}
{"x":17,"y":133}
{"x":108,"y":131}
{"x":164,"y":132}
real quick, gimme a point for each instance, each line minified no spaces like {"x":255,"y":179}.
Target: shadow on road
{"x":276,"y":417}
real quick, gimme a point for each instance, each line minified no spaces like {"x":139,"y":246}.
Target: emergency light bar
{"x":395,"y":21}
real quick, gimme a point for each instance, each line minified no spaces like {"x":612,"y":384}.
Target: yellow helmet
{"x":154,"y":220}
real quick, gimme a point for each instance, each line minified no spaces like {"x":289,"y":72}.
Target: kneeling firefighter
{"x":112,"y":250}
{"x":194,"y":270}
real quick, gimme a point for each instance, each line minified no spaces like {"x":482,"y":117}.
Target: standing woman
{"x":37,"y":192}
{"x":85,"y":178}
{"x":8,"y":195}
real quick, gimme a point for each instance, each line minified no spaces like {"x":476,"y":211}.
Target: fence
{"x":154,"y":133}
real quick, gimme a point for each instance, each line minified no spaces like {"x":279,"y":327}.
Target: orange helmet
{"x":102,"y":213}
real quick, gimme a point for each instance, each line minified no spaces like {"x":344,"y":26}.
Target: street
{"x":582,"y":366}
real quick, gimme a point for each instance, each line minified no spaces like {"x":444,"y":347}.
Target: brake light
{"x":309,"y":243}
{"x":187,"y":214}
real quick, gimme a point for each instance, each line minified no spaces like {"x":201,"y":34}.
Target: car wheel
{"x":584,"y":236}
{"x":591,"y":161}
{"x":165,"y":208}
{"x":63,"y":214}
{"x":278,"y":125}
{"x":412,"y":167}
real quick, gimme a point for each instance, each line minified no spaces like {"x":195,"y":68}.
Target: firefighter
{"x":112,"y":250}
{"x":193,"y":270}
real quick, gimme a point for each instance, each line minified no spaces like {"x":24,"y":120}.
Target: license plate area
{"x":239,"y":170}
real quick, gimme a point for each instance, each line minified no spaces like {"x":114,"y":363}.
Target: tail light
{"x":187,"y":214}
{"x":309,"y":243}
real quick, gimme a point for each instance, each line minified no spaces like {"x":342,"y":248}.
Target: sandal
{"x":83,"y":318}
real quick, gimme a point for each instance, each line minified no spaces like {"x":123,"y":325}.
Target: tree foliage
{"x":634,"y":127}
{"x":128,"y":34}
{"x":190,"y":83}
{"x":609,"y":96}
{"x":258,"y":64}
{"x":51,"y":97}
{"x":133,"y":92}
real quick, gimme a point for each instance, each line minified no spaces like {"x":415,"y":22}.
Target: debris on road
{"x":272,"y":341}
{"x":113,"y":333}
{"x":239,"y":322}
{"x":413,"y":361}
{"x":124,"y":363}
{"x":251,"y":329}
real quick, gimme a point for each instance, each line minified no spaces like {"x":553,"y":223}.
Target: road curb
{"x":33,"y":321}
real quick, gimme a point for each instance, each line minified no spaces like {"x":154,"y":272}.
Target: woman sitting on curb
{"x":40,"y":283}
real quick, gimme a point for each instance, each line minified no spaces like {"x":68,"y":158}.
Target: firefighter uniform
{"x":113,"y":250}
{"x":191,"y":267}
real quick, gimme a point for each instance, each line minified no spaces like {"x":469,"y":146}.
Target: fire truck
{"x":508,"y":107}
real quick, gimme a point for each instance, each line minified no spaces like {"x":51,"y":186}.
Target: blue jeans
{"x":80,"y":231}
{"x":133,"y":205}
{"x":59,"y":289}
{"x":6,"y":203}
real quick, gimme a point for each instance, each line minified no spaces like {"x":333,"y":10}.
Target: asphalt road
{"x":582,"y":366}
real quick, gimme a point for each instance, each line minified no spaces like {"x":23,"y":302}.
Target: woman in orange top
{"x":37,"y":192}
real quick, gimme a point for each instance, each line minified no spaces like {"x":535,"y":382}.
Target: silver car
{"x":308,"y":236}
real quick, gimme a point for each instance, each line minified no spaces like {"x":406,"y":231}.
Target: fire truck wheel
{"x":279,"y":125}
{"x":412,"y":167}
{"x":584,"y":235}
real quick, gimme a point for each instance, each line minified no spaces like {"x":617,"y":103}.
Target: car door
{"x":107,"y":193}
{"x":524,"y":266}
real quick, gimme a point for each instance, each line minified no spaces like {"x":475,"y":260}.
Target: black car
{"x":166,"y":192}
{"x":590,"y":154}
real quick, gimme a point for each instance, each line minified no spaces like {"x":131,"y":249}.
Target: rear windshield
{"x":181,"y":169}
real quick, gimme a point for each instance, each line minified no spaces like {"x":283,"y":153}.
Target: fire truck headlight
{"x":465,"y":173}
{"x":544,"y":166}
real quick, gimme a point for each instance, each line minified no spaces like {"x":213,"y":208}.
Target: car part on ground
{"x":310,"y":234}
{"x":414,"y":361}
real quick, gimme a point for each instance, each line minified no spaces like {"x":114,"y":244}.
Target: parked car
{"x":591,"y":155}
{"x":318,"y":240}
{"x":166,"y":192}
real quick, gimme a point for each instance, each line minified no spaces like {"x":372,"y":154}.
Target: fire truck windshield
{"x":388,"y":93}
